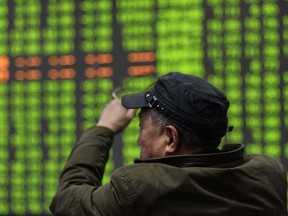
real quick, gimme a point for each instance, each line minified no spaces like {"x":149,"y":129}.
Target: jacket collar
{"x":230,"y":153}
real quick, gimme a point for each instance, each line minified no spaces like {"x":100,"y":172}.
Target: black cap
{"x":189,"y":101}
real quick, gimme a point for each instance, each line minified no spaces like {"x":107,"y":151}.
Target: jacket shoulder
{"x":265,"y":162}
{"x":134,"y":183}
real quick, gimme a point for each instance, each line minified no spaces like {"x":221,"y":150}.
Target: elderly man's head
{"x":180,"y":114}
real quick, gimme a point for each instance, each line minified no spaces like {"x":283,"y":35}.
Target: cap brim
{"x":134,"y":101}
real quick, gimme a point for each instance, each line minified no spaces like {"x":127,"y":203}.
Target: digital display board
{"x":61,"y":59}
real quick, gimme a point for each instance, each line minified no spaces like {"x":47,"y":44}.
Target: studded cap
{"x":189,"y":101}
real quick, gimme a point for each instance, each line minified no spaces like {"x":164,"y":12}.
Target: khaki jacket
{"x":225,"y":183}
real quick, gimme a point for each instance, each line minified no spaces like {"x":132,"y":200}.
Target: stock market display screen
{"x":61,"y":59}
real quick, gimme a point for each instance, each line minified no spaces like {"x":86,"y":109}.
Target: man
{"x":181,"y":171}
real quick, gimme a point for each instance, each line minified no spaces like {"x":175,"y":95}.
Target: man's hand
{"x":116,"y":117}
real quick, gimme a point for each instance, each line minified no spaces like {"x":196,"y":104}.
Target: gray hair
{"x":188,"y":139}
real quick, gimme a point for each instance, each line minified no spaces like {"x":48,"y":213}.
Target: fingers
{"x":131,"y":113}
{"x":116,"y":117}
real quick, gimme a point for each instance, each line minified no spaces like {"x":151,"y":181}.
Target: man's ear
{"x":172,"y":143}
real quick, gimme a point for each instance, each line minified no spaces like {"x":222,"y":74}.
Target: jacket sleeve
{"x":79,"y":191}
